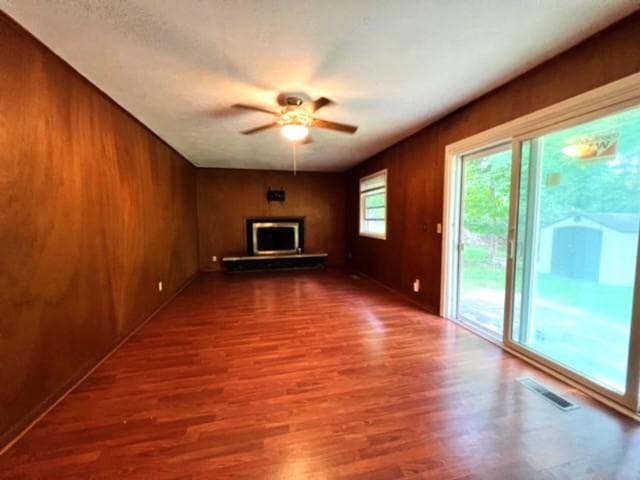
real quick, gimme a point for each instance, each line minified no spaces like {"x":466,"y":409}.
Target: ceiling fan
{"x":296,"y":117}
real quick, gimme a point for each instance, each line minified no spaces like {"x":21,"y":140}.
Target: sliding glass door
{"x":484,"y":220}
{"x":576,"y":223}
{"x":542,"y":241}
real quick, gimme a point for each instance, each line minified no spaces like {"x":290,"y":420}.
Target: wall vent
{"x":552,"y":397}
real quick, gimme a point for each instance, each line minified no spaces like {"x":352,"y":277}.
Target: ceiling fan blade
{"x":307,"y":140}
{"x":259,"y":129}
{"x":340,"y":127}
{"x":253,"y":108}
{"x":321,"y":102}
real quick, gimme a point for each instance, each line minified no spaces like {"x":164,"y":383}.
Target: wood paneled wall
{"x":94,"y":211}
{"x":226,"y":197}
{"x":416,"y":165}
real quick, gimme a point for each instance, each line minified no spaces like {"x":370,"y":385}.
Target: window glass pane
{"x":375,"y":200}
{"x":374,"y":226}
{"x":578,"y":240}
{"x":486,"y":187}
{"x":374,"y":213}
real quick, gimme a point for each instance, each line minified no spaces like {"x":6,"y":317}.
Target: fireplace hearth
{"x":274,"y":243}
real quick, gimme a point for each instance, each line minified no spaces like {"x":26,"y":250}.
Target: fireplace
{"x":275,"y":236}
{"x":274,"y":243}
{"x":271,"y":238}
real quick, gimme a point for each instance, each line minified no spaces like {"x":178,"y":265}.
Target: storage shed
{"x":597,"y":247}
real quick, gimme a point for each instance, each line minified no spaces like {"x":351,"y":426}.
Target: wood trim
{"x":41,"y":410}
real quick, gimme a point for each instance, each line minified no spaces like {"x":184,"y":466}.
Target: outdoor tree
{"x":568,"y":185}
{"x":486,"y":199}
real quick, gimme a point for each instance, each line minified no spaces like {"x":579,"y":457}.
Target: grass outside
{"x":610,"y":301}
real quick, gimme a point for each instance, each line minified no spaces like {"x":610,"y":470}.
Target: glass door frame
{"x":475,"y":154}
{"x":630,"y":398}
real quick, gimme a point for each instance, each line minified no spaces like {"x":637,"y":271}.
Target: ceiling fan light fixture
{"x":577,"y":150}
{"x":294,"y":132}
{"x":296,"y":118}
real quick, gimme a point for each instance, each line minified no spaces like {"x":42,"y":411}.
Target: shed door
{"x":576,"y":253}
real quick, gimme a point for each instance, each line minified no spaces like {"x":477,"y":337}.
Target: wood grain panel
{"x":226,"y":197}
{"x":416,"y":165}
{"x":94,"y":211}
{"x":317,"y":376}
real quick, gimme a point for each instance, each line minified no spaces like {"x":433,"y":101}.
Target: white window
{"x":373,"y":205}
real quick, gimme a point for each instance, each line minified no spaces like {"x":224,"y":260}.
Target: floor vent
{"x":559,"y":401}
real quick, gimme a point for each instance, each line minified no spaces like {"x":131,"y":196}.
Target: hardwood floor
{"x":316,"y":375}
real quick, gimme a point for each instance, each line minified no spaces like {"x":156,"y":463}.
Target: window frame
{"x":363,"y":195}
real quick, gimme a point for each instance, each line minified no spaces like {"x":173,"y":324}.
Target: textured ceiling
{"x":391,"y":66}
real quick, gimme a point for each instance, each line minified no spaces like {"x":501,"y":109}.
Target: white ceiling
{"x":392,"y":67}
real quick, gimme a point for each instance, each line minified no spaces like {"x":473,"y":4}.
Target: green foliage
{"x":374,"y":206}
{"x":607,"y":185}
{"x":375,"y":200}
{"x":567,"y":184}
{"x":486,"y":194}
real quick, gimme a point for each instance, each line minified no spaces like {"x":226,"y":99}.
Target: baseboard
{"x":395,"y":291}
{"x":9,"y":438}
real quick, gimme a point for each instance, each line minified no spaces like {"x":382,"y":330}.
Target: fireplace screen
{"x":275,"y":237}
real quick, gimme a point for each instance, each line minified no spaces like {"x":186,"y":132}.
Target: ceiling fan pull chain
{"x":294,"y":159}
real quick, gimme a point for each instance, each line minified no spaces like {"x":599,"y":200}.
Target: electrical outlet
{"x":214,"y":259}
{"x":160,"y":286}
{"x":439,"y":228}
{"x":416,"y":285}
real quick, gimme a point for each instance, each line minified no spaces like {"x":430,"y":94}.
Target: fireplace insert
{"x":271,"y":238}
{"x":275,"y":236}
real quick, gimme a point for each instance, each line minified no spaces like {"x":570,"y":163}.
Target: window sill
{"x":373,"y":235}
